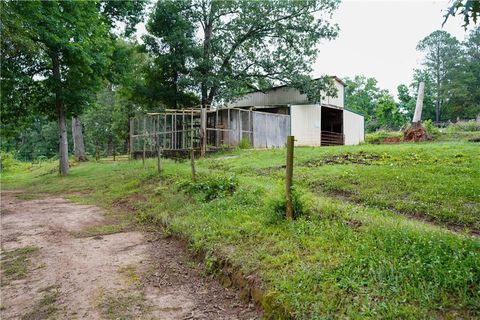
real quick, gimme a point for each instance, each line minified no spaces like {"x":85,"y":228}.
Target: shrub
{"x":430,"y":128}
{"x":463,"y":126}
{"x":7,"y":162}
{"x":301,"y":203}
{"x":211,"y":187}
{"x":244,"y":144}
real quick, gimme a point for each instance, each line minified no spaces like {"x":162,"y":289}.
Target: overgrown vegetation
{"x":209,"y":188}
{"x":359,"y":249}
{"x":461,"y":130}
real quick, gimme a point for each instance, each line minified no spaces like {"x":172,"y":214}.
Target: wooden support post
{"x":192,"y":158}
{"x":157,"y":140}
{"x":203,"y":131}
{"x":143,"y":154}
{"x":183,"y":129}
{"x":191,"y":129}
{"x":131,"y":138}
{"x":240,"y":131}
{"x":250,"y":134}
{"x":289,"y":177}
{"x":217,"y":137}
{"x":228,"y":126}
{"x":97,"y":152}
{"x":159,"y":154}
{"x":164,"y":137}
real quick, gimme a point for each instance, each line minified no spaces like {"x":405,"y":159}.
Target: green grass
{"x":356,"y":259}
{"x":15,"y":263}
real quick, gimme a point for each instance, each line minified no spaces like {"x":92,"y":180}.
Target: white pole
{"x":418,"y":108}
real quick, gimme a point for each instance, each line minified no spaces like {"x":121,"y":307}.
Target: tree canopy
{"x":223,"y":49}
{"x":57,"y":52}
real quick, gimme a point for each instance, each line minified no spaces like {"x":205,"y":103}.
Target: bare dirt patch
{"x":121,"y":275}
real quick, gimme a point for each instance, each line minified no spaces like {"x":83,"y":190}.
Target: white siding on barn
{"x":353,"y":128}
{"x":306,"y":124}
{"x":338,"y":100}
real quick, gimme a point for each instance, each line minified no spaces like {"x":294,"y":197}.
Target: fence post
{"x":131,"y":138}
{"x":192,"y":158}
{"x":159,"y":154}
{"x":289,"y":177}
{"x":156,"y":134}
{"x":143,"y":154}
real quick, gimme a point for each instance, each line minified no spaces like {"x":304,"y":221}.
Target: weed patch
{"x":348,"y":158}
{"x":210,"y":187}
{"x":15,"y":263}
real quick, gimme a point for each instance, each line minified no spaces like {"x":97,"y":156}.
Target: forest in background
{"x":112,"y":77}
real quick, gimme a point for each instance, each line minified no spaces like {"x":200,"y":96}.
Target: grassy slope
{"x":343,"y":258}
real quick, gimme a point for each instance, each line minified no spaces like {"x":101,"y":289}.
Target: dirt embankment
{"x":122,"y":275}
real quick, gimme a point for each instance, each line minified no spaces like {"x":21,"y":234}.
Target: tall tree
{"x":244,"y":45}
{"x":388,"y":113}
{"x":441,"y":57}
{"x":464,"y":80}
{"x":78,"y":140}
{"x":406,"y":102}
{"x":361,"y":95}
{"x":59,"y":50}
{"x":171,"y":41}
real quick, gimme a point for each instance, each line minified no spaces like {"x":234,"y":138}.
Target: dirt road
{"x":50,"y":271}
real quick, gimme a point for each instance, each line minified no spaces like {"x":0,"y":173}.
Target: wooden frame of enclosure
{"x":181,"y":130}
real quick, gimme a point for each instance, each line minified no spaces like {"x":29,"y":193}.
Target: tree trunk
{"x":60,"y":108}
{"x":97,"y":151}
{"x":78,"y":141}
{"x":208,"y":30}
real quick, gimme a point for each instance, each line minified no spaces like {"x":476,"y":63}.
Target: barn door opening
{"x":332,"y":127}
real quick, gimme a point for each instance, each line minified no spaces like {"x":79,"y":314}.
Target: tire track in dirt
{"x":122,"y":275}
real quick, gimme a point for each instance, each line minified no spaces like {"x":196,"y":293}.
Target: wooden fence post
{"x":131,"y":138}
{"x":143,"y":154}
{"x":192,"y":158}
{"x":289,"y":177}
{"x":159,"y":154}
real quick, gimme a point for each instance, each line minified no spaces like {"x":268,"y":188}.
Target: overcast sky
{"x":378,"y":39}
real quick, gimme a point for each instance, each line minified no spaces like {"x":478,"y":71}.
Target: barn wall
{"x":239,"y":123}
{"x":353,"y":128}
{"x":306,"y":124}
{"x":337,"y":101}
{"x":270,"y":130}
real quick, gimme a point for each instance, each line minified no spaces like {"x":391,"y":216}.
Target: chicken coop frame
{"x":200,"y":129}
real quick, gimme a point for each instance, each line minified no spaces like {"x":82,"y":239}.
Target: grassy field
{"x":372,"y":239}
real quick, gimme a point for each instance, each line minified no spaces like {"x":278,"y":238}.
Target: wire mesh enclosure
{"x":181,"y":130}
